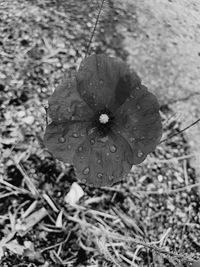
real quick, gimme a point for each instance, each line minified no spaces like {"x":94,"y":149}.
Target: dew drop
{"x":61,"y":139}
{"x":91,"y":130}
{"x":86,"y":170}
{"x":83,"y":181}
{"x":75,"y":135}
{"x":92,"y":141}
{"x":107,"y":154}
{"x":113,"y":149}
{"x":132,"y":139}
{"x":80,"y":148}
{"x":110,"y":178}
{"x":137,"y":88}
{"x":69,"y":146}
{"x":138,"y":107}
{"x":98,"y":161}
{"x":100,"y":175}
{"x":139,"y":154}
{"x":117,"y":158}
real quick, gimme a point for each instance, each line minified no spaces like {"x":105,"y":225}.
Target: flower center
{"x":104,"y":118}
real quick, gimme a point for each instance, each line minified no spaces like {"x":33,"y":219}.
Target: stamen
{"x":103,"y":118}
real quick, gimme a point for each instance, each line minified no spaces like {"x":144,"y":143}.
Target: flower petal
{"x":62,"y":139}
{"x":105,"y":82}
{"x":139,"y":122}
{"x":103,"y":161}
{"x":66,"y":103}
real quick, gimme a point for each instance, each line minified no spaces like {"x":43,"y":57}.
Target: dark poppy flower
{"x":103,"y":121}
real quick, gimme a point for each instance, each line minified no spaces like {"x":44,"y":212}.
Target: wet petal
{"x":66,"y":103}
{"x":103,"y":161}
{"x":62,"y":139}
{"x":105,"y":82}
{"x":139,"y":122}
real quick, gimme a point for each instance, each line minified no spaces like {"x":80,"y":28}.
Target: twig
{"x":172,"y":191}
{"x":95,"y":26}
{"x":181,"y":131}
{"x":28,"y":181}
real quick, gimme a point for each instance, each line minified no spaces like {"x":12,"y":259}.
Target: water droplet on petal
{"x":139,"y":154}
{"x":138,"y":107}
{"x":69,"y":146}
{"x":91,"y":130}
{"x":107,"y":154}
{"x":83,"y":181}
{"x":92,"y":141}
{"x":98,"y":161}
{"x":111,"y":178}
{"x":80,"y":148}
{"x":61,"y":139}
{"x":100,"y":175}
{"x":117,"y":158}
{"x":75,"y":135}
{"x":113,"y":149}
{"x":86,"y":170}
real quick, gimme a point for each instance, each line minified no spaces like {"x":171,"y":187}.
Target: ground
{"x":151,"y":219}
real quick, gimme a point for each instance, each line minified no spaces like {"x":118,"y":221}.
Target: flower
{"x":103,"y":121}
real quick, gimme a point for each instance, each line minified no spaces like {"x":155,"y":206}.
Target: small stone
{"x":28,"y":120}
{"x":21,"y":113}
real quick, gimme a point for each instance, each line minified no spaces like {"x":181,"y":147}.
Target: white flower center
{"x":104,"y":118}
